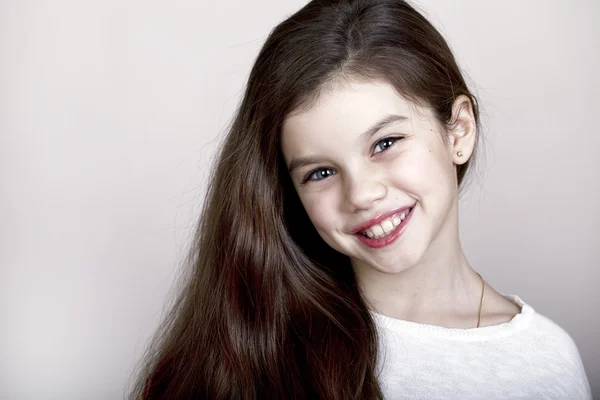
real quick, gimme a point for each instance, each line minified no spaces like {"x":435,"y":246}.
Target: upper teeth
{"x":386,"y":226}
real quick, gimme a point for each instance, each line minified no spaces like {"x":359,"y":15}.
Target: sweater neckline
{"x":517,"y":323}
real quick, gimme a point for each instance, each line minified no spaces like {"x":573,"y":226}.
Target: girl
{"x":327,"y":263}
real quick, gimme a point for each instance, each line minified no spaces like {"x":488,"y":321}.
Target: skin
{"x":349,"y":178}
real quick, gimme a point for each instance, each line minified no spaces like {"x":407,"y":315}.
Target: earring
{"x":459,"y":153}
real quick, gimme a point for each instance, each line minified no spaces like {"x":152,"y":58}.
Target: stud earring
{"x":459,"y":153}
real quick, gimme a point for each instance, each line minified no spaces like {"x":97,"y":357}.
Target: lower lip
{"x":389,"y":239}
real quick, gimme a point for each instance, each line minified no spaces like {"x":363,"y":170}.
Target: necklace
{"x":480,"y":300}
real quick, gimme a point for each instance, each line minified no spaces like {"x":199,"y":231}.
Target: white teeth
{"x":385,"y":227}
{"x":377,"y":230}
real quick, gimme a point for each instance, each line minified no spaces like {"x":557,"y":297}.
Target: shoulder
{"x":540,"y":333}
{"x":551,"y":350}
{"x":553,"y":337}
{"x":543,"y":332}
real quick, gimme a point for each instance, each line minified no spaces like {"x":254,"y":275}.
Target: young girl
{"x":327,"y":263}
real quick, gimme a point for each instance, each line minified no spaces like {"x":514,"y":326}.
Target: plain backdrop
{"x":110,"y":112}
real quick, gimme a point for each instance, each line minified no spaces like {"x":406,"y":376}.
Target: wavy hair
{"x":269,"y":311}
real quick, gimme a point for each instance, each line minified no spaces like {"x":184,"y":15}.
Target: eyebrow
{"x":376,"y":127}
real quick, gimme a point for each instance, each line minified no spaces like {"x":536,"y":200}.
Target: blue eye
{"x":384,"y":144}
{"x":318,"y":174}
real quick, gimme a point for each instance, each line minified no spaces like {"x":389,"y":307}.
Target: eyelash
{"x":393,"y":140}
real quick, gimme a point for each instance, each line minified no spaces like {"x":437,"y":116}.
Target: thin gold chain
{"x":480,"y":300}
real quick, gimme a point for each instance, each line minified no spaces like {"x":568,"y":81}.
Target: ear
{"x":462,"y":131}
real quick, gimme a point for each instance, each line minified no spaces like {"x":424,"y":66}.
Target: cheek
{"x":409,"y":173}
{"x":422,"y":171}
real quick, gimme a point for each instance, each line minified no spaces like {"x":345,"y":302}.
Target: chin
{"x":397,"y":263}
{"x":391,"y":265}
{"x":396,"y":269}
{"x":399,"y":266}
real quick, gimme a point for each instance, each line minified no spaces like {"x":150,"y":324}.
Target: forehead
{"x":349,"y":106}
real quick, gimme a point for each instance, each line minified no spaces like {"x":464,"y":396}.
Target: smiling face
{"x":375,"y":174}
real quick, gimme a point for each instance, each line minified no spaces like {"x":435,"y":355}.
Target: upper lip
{"x":379,"y":219}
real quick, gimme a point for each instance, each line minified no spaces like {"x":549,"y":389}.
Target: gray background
{"x":110,"y":111}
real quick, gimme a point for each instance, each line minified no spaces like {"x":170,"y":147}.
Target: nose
{"x":363,"y":191}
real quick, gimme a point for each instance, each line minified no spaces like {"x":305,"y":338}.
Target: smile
{"x":384,"y":230}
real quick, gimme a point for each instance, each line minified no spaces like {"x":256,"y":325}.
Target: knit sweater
{"x":529,"y":357}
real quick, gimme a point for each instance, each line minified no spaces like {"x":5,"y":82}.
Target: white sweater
{"x":529,"y":357}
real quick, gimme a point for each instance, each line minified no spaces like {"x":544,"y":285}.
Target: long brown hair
{"x":269,"y":311}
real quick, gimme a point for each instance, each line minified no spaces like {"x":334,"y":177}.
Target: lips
{"x":387,"y":237}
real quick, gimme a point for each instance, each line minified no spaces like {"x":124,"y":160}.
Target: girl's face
{"x":374,"y":174}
